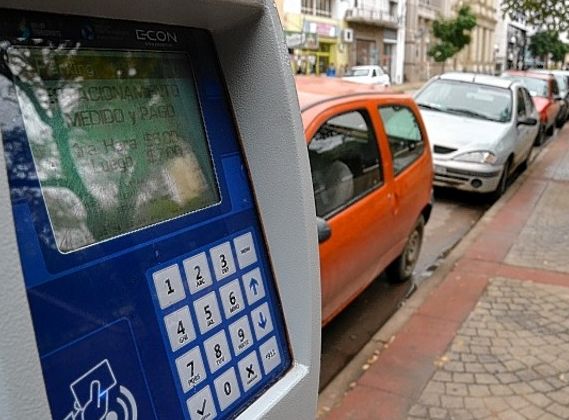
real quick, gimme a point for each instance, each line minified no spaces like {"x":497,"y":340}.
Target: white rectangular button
{"x":270,"y":355}
{"x":245,"y":250}
{"x":169,"y":287}
{"x":191,"y":369}
{"x":231,"y":298}
{"x":222,"y":260}
{"x":201,"y":405}
{"x":197,"y":272}
{"x":262,"y":322}
{"x":249,"y":371}
{"x":207,"y":312}
{"x":241,"y":336}
{"x":254,"y":286}
{"x":226,"y":388}
{"x":180,"y":328}
{"x":217,"y":351}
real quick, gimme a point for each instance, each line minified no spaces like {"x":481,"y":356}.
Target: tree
{"x":547,"y":43}
{"x":551,"y":15}
{"x":452,"y":35}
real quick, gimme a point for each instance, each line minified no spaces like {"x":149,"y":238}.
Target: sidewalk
{"x":491,"y":340}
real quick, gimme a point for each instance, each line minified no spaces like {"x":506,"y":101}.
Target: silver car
{"x":481,"y":129}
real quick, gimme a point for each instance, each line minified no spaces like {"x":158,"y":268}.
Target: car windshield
{"x":536,"y":87}
{"x":358,"y":72}
{"x":468,"y":99}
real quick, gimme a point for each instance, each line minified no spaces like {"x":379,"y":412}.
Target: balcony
{"x":429,"y":9}
{"x":372,"y":16}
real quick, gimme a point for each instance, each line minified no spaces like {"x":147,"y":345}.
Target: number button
{"x":222,"y":258}
{"x":241,"y":337}
{"x":180,"y":328}
{"x":197,"y":273}
{"x":254,"y":286}
{"x":245,"y":249}
{"x":217,"y":351}
{"x":262,"y":322}
{"x":226,"y":388}
{"x":231,"y":298}
{"x":270,"y":355}
{"x":207,"y":312}
{"x":249,"y":371}
{"x":201,"y":406}
{"x":191,"y":369}
{"x":168,"y":284}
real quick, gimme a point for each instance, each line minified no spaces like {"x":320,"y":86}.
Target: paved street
{"x":487,"y":335}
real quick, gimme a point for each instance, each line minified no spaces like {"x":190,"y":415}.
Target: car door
{"x":411,"y":167}
{"x":351,"y":196}
{"x":522,"y":131}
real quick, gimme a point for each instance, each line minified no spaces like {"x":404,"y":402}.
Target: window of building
{"x":317,"y":7}
{"x":345,"y":162}
{"x":403,"y":134}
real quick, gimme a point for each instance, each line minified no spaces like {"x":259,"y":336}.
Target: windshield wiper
{"x":470,"y":113}
{"x":429,"y":106}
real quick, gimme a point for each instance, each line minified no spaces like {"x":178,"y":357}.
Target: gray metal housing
{"x":254,"y":60}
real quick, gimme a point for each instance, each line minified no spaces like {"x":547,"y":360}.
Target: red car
{"x":544,"y":91}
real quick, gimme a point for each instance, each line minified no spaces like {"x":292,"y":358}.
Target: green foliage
{"x":552,"y":15}
{"x":544,"y":43}
{"x":452,"y":34}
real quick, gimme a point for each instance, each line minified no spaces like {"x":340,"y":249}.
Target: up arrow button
{"x":254,"y":286}
{"x":262,"y":322}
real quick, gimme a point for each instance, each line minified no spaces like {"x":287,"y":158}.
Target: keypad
{"x":217,"y":324}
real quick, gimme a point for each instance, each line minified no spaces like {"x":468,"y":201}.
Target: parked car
{"x":481,"y":129}
{"x":369,"y":75}
{"x":372,"y":177}
{"x":562,"y":78}
{"x":544,"y":91}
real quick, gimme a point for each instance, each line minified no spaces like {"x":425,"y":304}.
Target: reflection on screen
{"x":117,"y":139}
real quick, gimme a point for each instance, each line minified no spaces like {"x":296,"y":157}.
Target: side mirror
{"x":324,"y":231}
{"x":528,"y":121}
{"x":558,"y":97}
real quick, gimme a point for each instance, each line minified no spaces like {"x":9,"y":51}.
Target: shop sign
{"x":295,"y":39}
{"x":322,"y":29}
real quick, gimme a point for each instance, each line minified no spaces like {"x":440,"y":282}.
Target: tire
{"x":524,"y":165}
{"x":402,"y":268}
{"x":503,"y":184}
{"x":551,"y":130}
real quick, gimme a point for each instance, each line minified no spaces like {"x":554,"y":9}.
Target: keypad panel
{"x":218,"y":325}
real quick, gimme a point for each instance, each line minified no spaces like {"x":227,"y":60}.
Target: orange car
{"x":372,"y":177}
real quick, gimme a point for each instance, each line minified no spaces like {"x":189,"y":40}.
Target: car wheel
{"x":402,"y":268}
{"x":503,"y":184}
{"x":551,"y":130}
{"x":525,"y":163}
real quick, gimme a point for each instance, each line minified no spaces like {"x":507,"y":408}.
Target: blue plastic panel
{"x":180,"y":319}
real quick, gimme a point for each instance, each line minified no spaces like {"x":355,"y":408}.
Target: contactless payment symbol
{"x":91,"y":393}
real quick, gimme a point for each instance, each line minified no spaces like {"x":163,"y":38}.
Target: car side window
{"x":345,"y":161}
{"x":529,"y":102}
{"x":555,"y":87}
{"x":403,"y":134}
{"x":521,"y":106}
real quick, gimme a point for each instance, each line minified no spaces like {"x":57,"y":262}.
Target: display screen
{"x":117,"y":139}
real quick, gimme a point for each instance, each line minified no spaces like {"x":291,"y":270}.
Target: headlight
{"x":477,"y":157}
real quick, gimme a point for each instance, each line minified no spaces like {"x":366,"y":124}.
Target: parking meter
{"x":157,"y":235}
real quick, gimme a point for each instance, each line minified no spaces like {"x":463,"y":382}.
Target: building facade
{"x":418,"y":39}
{"x":512,"y":41}
{"x":324,"y":34}
{"x":480,"y":55}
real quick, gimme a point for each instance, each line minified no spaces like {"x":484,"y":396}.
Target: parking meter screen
{"x":117,"y":139}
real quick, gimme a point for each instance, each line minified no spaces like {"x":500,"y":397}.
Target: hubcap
{"x":412,"y":251}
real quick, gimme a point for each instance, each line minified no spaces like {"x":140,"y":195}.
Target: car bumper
{"x":466,"y":176}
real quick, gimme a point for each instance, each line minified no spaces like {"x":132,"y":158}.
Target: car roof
{"x":530,"y":73}
{"x":314,"y":90}
{"x":481,"y":79}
